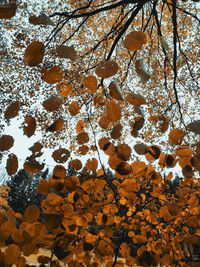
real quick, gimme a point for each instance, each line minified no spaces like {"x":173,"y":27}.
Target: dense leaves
{"x":108,"y":82}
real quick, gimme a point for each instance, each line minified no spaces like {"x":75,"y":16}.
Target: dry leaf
{"x":115,"y":90}
{"x":53,"y":75}
{"x":140,"y":70}
{"x":52,"y":103}
{"x":30,"y":128}
{"x":56,"y":126}
{"x":194,"y":127}
{"x":113,"y":112}
{"x":7,"y":11}
{"x":12,"y":110}
{"x":61,"y":155}
{"x":6,"y":142}
{"x":106,"y":69}
{"x":34,"y":53}
{"x":66,"y":52}
{"x":42,"y":19}
{"x":135,"y":40}
{"x":12,"y":164}
{"x":33,"y":166}
{"x":164,"y":44}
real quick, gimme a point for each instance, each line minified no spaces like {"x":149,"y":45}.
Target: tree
{"x":135,"y":210}
{"x":23,"y":190}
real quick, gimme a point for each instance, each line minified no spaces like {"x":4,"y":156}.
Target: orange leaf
{"x":91,"y":83}
{"x":139,"y":168}
{"x":76,"y":164}
{"x":12,"y":254}
{"x":31,"y":214}
{"x":92,"y":164}
{"x":113,"y":112}
{"x":184,"y":151}
{"x":43,"y":187}
{"x":135,"y":40}
{"x":79,"y":127}
{"x":106,"y":69}
{"x":82,"y":138}
{"x":74,"y":108}
{"x":34,"y":53}
{"x":52,"y":103}
{"x":53,"y":75}
{"x":65,"y":90}
{"x":176,"y":136}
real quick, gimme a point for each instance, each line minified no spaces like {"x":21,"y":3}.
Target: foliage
{"x":114,"y":78}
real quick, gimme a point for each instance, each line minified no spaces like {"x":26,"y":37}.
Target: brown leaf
{"x":74,"y":108}
{"x":7,"y":11}
{"x":59,"y":171}
{"x":76,"y":164}
{"x":30,"y":128}
{"x":91,"y":83}
{"x":31,"y":214}
{"x":42,"y":19}
{"x":92,"y":164}
{"x":194,"y":127}
{"x":136,"y":99}
{"x":56,"y":126}
{"x":135,"y":40}
{"x":43,"y":187}
{"x":82,"y":138}
{"x":12,"y":254}
{"x":12,"y":110}
{"x":66,"y":52}
{"x":33,"y":166}
{"x":123,"y":151}
{"x":61,"y":155}
{"x":106,"y":69}
{"x":176,"y":136}
{"x":52,"y":103}
{"x":113,"y":112}
{"x":34,"y":53}
{"x":140,"y":149}
{"x":53,"y":75}
{"x":116,"y":131}
{"x":12,"y":164}
{"x":115,"y":91}
{"x":104,"y":122}
{"x":36,"y":149}
{"x":6,"y":142}
{"x":141,"y":72}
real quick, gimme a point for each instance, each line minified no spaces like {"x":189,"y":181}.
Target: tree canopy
{"x":114,"y":78}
